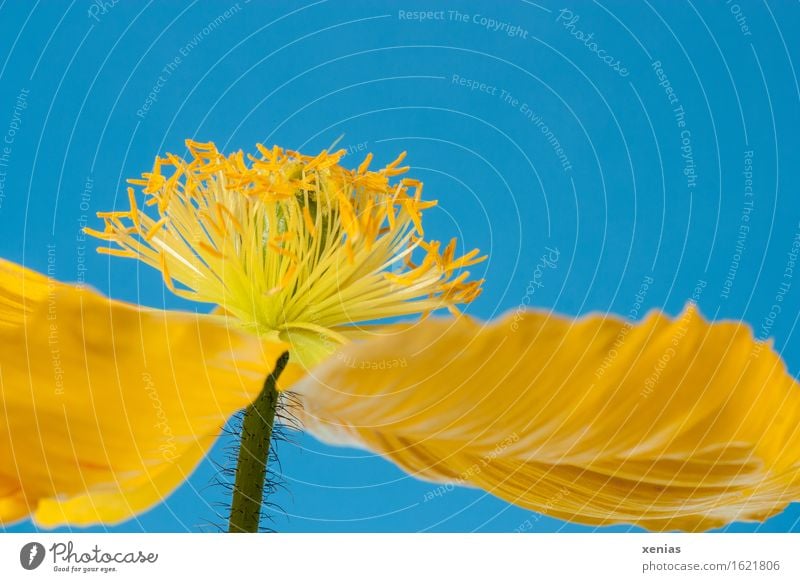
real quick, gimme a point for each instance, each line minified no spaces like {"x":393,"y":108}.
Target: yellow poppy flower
{"x":668,"y":424}
{"x":108,"y":407}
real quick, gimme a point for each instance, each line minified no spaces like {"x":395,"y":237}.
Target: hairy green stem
{"x":251,"y":466}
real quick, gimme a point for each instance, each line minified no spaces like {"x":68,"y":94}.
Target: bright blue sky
{"x":618,"y":203}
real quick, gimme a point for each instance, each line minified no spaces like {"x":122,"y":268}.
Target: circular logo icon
{"x":31,"y":555}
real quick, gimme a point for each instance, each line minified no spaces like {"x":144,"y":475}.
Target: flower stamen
{"x":290,"y":244}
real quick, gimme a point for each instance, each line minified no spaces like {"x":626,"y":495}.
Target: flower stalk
{"x":251,"y":465}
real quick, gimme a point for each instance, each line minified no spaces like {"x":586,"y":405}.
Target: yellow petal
{"x":108,"y":407}
{"x":666,"y":424}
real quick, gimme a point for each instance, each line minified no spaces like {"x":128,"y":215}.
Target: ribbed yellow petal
{"x":666,"y":424}
{"x":108,"y":407}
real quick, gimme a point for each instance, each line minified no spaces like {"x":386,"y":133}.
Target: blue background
{"x":617,"y":205}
